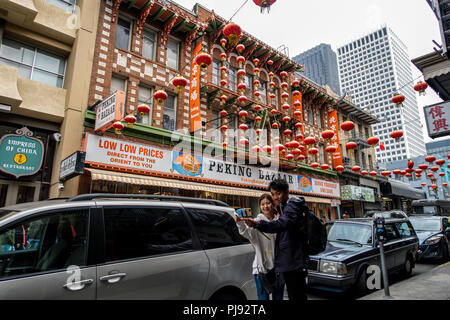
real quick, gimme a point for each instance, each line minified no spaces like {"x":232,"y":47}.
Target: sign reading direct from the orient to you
{"x":437,"y":117}
{"x":128,"y":155}
{"x":20,"y":154}
{"x":109,"y":111}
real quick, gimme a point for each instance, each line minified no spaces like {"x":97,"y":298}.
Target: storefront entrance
{"x":12,"y":192}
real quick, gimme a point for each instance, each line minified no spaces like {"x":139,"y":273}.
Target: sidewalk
{"x":432,"y":285}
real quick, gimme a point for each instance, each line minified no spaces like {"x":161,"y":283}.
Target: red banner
{"x":194,"y":94}
{"x":333,"y":125}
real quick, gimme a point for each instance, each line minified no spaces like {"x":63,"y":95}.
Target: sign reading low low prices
{"x":20,"y":155}
{"x":124,"y":154}
{"x":437,"y":118}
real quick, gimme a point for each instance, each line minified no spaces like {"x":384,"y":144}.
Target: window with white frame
{"x":170,"y":113}
{"x":148,"y":44}
{"x":215,"y":126}
{"x":145,"y":96}
{"x":232,"y":79}
{"x":216,"y":72}
{"x":123,"y":33}
{"x":173,"y":52}
{"x":68,"y":5}
{"x":33,"y":63}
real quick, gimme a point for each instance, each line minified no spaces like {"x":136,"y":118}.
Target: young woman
{"x":264,"y":245}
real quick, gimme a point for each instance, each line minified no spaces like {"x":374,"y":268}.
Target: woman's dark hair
{"x":279,"y":185}
{"x":268,"y":197}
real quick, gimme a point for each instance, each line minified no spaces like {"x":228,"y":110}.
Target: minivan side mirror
{"x":447,"y":230}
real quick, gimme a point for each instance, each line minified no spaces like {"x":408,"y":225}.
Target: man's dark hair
{"x":279,"y":185}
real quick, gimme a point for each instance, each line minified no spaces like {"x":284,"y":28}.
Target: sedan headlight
{"x":333,"y":267}
{"x":433,"y":240}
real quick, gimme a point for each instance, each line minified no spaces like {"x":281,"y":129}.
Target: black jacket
{"x":290,"y":249}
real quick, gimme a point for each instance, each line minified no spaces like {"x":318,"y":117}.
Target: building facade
{"x":321,"y":66}
{"x":441,"y":148}
{"x":140,"y":48}
{"x":372,"y":69}
{"x":46,"y":51}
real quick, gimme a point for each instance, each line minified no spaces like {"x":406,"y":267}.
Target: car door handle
{"x":78,"y":285}
{"x":113,"y":278}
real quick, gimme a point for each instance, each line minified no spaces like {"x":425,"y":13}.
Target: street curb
{"x":412,"y":279}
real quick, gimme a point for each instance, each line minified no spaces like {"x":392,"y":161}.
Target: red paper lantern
{"x":143,"y":109}
{"x":224,"y":128}
{"x":409,"y":170}
{"x":340,"y":168}
{"x":160,"y":96}
{"x":130,"y":120}
{"x":351,"y":146}
{"x":423,"y":184}
{"x":286,"y":119}
{"x":408,"y":175}
{"x":241,"y":60}
{"x":223,"y":42}
{"x":445,"y":184}
{"x":434,"y":186}
{"x":243,"y":127}
{"x":296,"y":152}
{"x":430,"y":175}
{"x":313,"y":151}
{"x":279,"y":147}
{"x":386,"y":174}
{"x":364,"y":173}
{"x":257,"y":107}
{"x":273,"y":111}
{"x":256,"y":62}
{"x":373,"y":174}
{"x":223,"y":70}
{"x":272,"y":85}
{"x":325,"y":167}
{"x":270,"y":62}
{"x":257,"y":148}
{"x":264,"y":4}
{"x":356,"y":169}
{"x":233,"y":32}
{"x":397,"y":172}
{"x":284,"y":85}
{"x":256,"y":71}
{"x":241,"y":73}
{"x":295,"y":84}
{"x":223,"y":113}
{"x":441,"y":174}
{"x":419,"y":171}
{"x":315,"y":165}
{"x":242,"y":100}
{"x":331,"y":149}
{"x":275,"y":125}
{"x":287,"y":132}
{"x":440,"y":162}
{"x":373,"y":141}
{"x":285,"y":106}
{"x":241,"y":87}
{"x":223,"y":56}
{"x":327,"y":134}
{"x":434,"y":169}
{"x":243,"y":141}
{"x":310,"y":140}
{"x":240,"y":48}
{"x":294,"y":144}
{"x":347,"y":125}
{"x":301,"y":157}
{"x":430,"y":159}
{"x":398,"y":99}
{"x":290,"y":157}
{"x":423,"y":166}
{"x":403,"y":172}
{"x":243,"y":114}
{"x":283,"y":74}
{"x":418,"y":175}
{"x":203,"y":59}
{"x":223,"y":82}
{"x":397,"y":134}
{"x":179,"y":82}
{"x":421,"y":87}
{"x":118,"y":127}
{"x":267,"y":149}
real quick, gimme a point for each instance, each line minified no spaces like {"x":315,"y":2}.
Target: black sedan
{"x":434,"y":236}
{"x":352,"y":248}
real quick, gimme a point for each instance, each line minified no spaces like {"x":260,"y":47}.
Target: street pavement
{"x":431,"y":285}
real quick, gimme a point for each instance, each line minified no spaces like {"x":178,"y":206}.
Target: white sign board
{"x":109,"y":111}
{"x":437,"y":118}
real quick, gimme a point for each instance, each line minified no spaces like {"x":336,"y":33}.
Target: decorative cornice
{"x":143,"y":16}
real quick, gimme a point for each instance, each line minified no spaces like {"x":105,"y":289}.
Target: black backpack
{"x":316,"y":233}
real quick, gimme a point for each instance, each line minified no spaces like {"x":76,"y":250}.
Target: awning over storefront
{"x":136,"y":179}
{"x":397,"y":189}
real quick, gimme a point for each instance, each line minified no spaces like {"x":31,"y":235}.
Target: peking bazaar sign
{"x":333,"y":126}
{"x":109,"y":111}
{"x":125,"y":154}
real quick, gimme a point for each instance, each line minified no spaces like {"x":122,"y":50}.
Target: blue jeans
{"x":278,"y":294}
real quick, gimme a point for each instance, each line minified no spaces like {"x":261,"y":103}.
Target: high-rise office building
{"x":441,"y":148}
{"x":321,"y":66}
{"x":372,"y":69}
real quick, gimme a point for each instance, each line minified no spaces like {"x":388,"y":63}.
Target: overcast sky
{"x":301,"y":25}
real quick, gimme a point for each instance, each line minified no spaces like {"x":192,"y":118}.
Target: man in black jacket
{"x":291,"y":258}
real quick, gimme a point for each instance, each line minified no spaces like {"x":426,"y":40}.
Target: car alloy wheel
{"x":407,"y":268}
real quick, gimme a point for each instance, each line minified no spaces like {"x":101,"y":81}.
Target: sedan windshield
{"x":421,"y":224}
{"x":350,"y":232}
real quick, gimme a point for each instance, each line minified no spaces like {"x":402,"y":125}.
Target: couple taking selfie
{"x":276,"y":234}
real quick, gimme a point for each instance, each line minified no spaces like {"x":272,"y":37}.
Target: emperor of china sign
{"x":20,"y":154}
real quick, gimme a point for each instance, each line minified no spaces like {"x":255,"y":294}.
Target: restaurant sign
{"x":72,"y":166}
{"x":20,"y":154}
{"x":437,"y":117}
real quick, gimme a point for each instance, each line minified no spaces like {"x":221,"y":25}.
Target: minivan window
{"x":404,"y":229}
{"x":391,"y":234}
{"x":52,"y":242}
{"x":144,"y":232}
{"x":216,"y":229}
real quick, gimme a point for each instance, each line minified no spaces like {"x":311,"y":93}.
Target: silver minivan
{"x":124,"y":247}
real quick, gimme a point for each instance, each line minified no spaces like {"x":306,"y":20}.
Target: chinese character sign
{"x":299,"y":107}
{"x":437,"y":118}
{"x":194,"y":96}
{"x":333,"y":125}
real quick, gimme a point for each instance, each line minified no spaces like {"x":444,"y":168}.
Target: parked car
{"x":386,"y":214}
{"x":124,"y":247}
{"x":434,"y":236}
{"x":352,"y":247}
